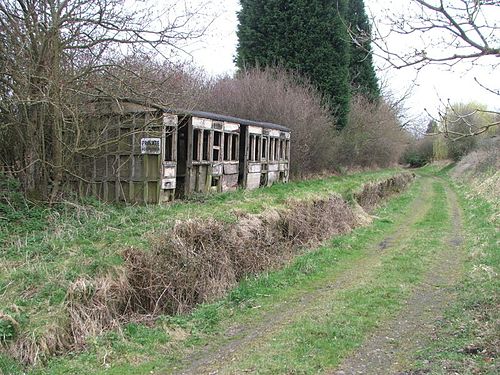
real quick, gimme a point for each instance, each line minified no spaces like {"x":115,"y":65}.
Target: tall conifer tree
{"x":363,"y":77}
{"x":308,"y":36}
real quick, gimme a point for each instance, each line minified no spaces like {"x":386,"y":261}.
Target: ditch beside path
{"x":388,"y":349}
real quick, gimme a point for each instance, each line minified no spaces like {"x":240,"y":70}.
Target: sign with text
{"x":151,"y":146}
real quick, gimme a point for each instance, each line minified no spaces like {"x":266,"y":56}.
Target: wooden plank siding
{"x":152,"y":155}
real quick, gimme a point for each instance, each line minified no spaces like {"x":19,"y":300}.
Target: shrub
{"x":277,"y":96}
{"x":419,"y":153}
{"x":464,"y":119}
{"x":373,"y":136}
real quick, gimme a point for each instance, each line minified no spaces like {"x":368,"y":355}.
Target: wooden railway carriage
{"x":267,"y":155}
{"x":153,"y":155}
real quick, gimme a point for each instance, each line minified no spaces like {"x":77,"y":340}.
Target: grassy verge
{"x":46,"y":249}
{"x":322,"y":338}
{"x":139,"y":349}
{"x":467,"y":340}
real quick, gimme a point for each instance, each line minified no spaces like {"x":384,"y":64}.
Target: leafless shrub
{"x":373,"y":136}
{"x":141,"y":77}
{"x":275,"y":95}
{"x":195,"y":262}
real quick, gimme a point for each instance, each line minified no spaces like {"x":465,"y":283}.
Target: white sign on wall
{"x":151,"y":146}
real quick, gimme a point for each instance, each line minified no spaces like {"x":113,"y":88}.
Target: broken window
{"x":271,"y":149}
{"x":227,"y":146}
{"x":235,"y":146}
{"x":251,"y":147}
{"x":196,"y":144}
{"x":206,"y":141}
{"x":217,"y":146}
{"x":258,"y":141}
{"x":169,"y":144}
{"x":265,"y":146}
{"x":276,"y":149}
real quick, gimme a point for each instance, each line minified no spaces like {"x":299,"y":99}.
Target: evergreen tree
{"x":308,"y":36}
{"x":362,"y":73}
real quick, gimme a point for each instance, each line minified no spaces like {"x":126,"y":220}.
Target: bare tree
{"x":52,"y":53}
{"x":444,"y":32}
{"x":373,"y":136}
{"x":451,"y":31}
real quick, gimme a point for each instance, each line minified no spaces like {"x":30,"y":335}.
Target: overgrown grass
{"x":44,"y":250}
{"x":321,"y":339}
{"x":467,"y":340}
{"x":139,"y":349}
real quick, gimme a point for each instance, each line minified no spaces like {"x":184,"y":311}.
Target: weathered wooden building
{"x":148,"y":154}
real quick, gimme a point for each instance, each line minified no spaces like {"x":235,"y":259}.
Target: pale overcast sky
{"x":432,"y":86}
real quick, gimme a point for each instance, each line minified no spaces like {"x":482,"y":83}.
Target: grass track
{"x":311,"y":316}
{"x":339,"y":324}
{"x":141,"y":350}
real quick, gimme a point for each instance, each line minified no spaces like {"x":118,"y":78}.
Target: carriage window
{"x":258,"y":141}
{"x":206,"y":140}
{"x":196,"y":144}
{"x":169,"y":143}
{"x":282,"y":149}
{"x":251,"y":147}
{"x":276,"y":149}
{"x":235,"y":146}
{"x":227,"y":146}
{"x":264,"y":148}
{"x":217,"y":145}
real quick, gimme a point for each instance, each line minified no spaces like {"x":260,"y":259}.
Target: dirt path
{"x":390,"y":349}
{"x":240,"y":340}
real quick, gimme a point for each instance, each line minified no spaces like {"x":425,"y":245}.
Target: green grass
{"x":466,"y":340}
{"x":321,"y":339}
{"x":140,"y":349}
{"x":43,"y":250}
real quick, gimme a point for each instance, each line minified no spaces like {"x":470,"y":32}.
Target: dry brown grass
{"x":200,"y":260}
{"x":373,"y":193}
{"x":194,"y":262}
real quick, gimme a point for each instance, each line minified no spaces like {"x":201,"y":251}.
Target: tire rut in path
{"x":240,"y":339}
{"x":390,"y":349}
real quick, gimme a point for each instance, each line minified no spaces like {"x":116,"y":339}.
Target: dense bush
{"x":276,"y":96}
{"x":373,"y":136}
{"x":419,"y":153}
